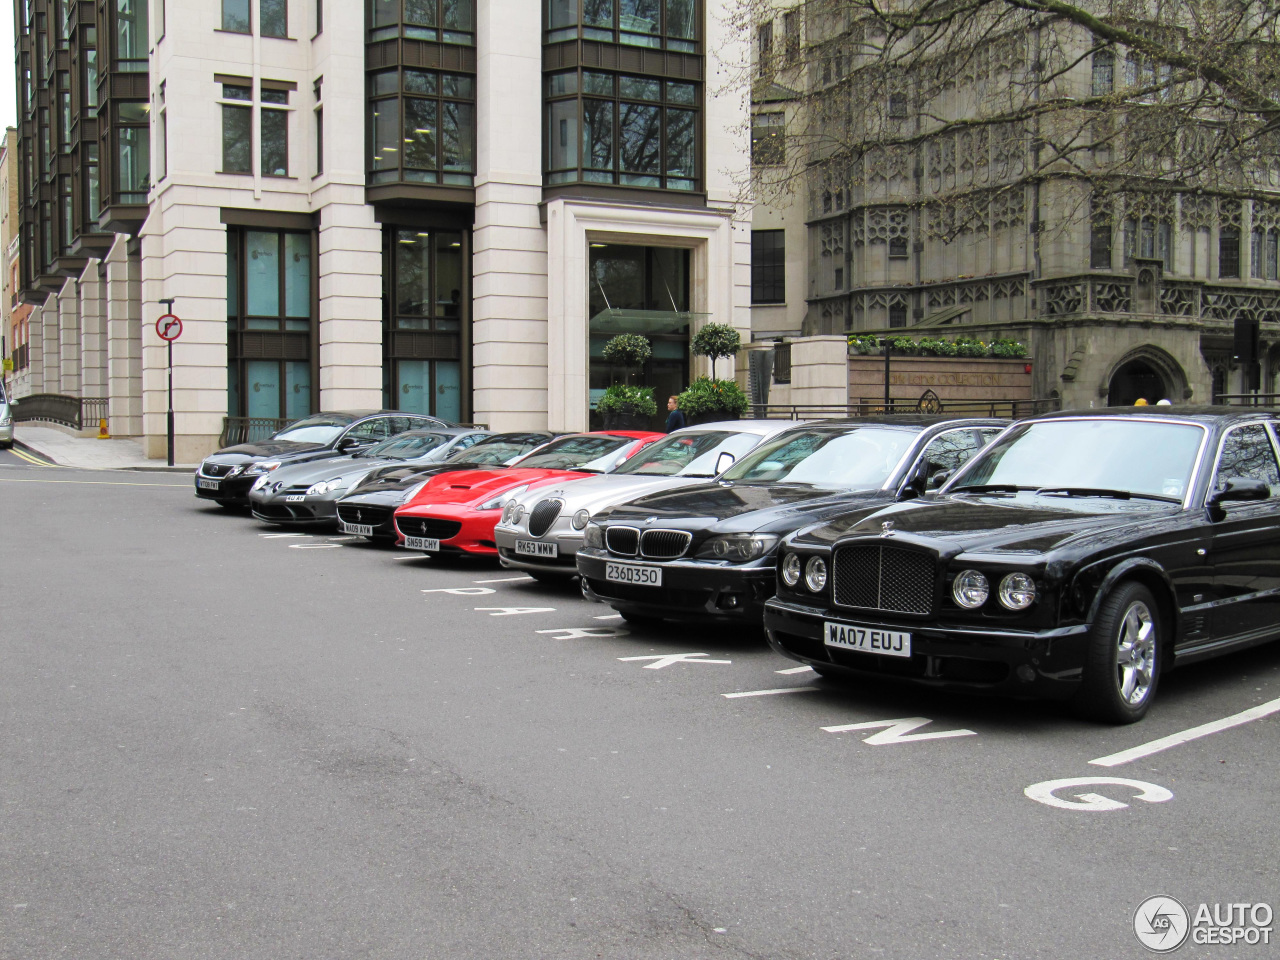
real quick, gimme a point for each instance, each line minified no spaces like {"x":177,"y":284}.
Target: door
{"x":1244,"y":550}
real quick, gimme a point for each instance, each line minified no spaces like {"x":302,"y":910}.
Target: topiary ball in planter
{"x":627,"y":408}
{"x":707,"y":401}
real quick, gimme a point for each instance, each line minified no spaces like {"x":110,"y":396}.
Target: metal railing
{"x":1012,"y":409}
{"x":74,"y":412}
{"x":249,"y":429}
{"x":1248,"y":399}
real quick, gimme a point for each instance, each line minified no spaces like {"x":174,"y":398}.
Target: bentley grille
{"x":664,"y":544}
{"x":878,"y":576}
{"x":543,"y":516}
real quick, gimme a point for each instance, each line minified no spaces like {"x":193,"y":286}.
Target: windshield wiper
{"x":990,"y":488}
{"x":1103,"y":492}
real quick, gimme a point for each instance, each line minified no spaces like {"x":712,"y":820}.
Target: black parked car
{"x":227,"y":475}
{"x":1078,"y":556}
{"x":707,"y":552}
{"x":367,"y":508}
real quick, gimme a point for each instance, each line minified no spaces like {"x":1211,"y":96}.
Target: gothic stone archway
{"x":1146,"y":372}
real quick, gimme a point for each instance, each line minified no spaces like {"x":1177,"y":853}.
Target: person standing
{"x":675,"y":416}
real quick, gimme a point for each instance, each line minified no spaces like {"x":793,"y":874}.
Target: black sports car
{"x":707,"y":552}
{"x":367,"y":508}
{"x":227,"y":475}
{"x":1078,"y":556}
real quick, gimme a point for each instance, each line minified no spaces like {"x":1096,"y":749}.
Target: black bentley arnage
{"x":1078,"y":556}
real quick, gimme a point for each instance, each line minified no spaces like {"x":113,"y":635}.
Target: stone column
{"x":35,"y":350}
{"x":509,"y":329}
{"x":820,"y":371}
{"x":350,"y":307}
{"x":51,"y":360}
{"x":93,"y":339}
{"x":124,"y":342}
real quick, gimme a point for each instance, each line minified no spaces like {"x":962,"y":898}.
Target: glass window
{"x":235,"y":16}
{"x":233,"y":91}
{"x":448,"y":285}
{"x":768,"y":266}
{"x":273,"y":18}
{"x":1229,"y":253}
{"x":297,"y":274}
{"x":375,"y":428}
{"x":1247,"y":455}
{"x":686,"y":454}
{"x":131,"y":35}
{"x":274,"y":96}
{"x":134,"y":163}
{"x":458,"y":138}
{"x":768,"y":146}
{"x":861,"y":458}
{"x":275,"y":143}
{"x":1100,"y":243}
{"x":448,"y":390}
{"x":945,"y":453}
{"x":262,"y":269}
{"x":1104,"y":73}
{"x":262,"y":379}
{"x":421,"y":124}
{"x":576,"y":452}
{"x":562,"y":135}
{"x":435,"y":143}
{"x":237,"y":138}
{"x":597,"y":136}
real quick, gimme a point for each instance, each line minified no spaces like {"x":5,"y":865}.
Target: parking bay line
{"x":503,"y":580}
{"x":1186,"y":736}
{"x":96,"y":483}
{"x":769,"y":693}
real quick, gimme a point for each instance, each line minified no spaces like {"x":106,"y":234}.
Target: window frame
{"x":575,"y":28}
{"x":440,"y":174}
{"x":773,"y":288}
{"x":436,"y":32}
{"x":248,"y":18}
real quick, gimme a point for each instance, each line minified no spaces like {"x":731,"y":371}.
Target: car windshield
{"x":857,"y":458}
{"x":319,"y":430}
{"x":1144,"y":457}
{"x":576,"y":452}
{"x":498,"y":449}
{"x":688,"y":454}
{"x":407,"y":447}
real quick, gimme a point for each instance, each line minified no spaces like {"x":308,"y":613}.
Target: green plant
{"x":706,"y":395}
{"x":625,"y":400}
{"x":969,"y":347}
{"x":935,"y":346}
{"x":1006,"y":347}
{"x":865,"y":345}
{"x":903,"y":345}
{"x":629,"y":350}
{"x":716,"y":340}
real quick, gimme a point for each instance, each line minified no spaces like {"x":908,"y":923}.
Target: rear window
{"x":569,"y":453}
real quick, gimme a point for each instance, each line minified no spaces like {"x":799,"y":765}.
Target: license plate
{"x":204,"y":484}
{"x":295,"y":498}
{"x":633,"y":573}
{"x":359,"y":529}
{"x":535,"y":548}
{"x":889,"y":643}
{"x":422,"y":543}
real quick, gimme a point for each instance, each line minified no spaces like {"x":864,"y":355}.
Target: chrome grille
{"x":215,"y":469}
{"x":624,"y":541}
{"x":664,"y":544}
{"x":543,"y":516}
{"x":363,"y":514}
{"x":878,"y":576}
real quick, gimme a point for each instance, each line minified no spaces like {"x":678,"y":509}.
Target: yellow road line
{"x":105,"y":483}
{"x":31,"y":458}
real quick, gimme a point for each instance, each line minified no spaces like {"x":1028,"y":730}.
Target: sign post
{"x":169,"y":327}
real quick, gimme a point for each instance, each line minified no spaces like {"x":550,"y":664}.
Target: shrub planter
{"x":627,"y":421}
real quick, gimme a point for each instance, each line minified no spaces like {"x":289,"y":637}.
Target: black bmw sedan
{"x":707,"y":552}
{"x":1079,"y":556}
{"x":228,"y":475}
{"x":367,"y":508}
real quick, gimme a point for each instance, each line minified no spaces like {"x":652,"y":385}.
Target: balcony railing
{"x":74,"y":412}
{"x":249,"y":429}
{"x":930,"y":403}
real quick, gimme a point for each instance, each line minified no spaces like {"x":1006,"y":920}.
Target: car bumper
{"x":229,"y":489}
{"x":702,"y":592}
{"x":1030,"y":663}
{"x":467,"y":531}
{"x":6,"y":434}
{"x":369,"y":513}
{"x":567,"y":543}
{"x":310,"y":510}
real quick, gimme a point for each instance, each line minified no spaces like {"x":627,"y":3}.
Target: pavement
{"x":90,"y":453}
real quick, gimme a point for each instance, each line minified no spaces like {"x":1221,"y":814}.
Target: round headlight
{"x":1017,"y":591}
{"x":581,"y":519}
{"x":970,"y":589}
{"x":815,"y":575}
{"x":506,"y":513}
{"x":791,"y":570}
{"x":517,"y":513}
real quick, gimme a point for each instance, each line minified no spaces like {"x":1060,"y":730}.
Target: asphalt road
{"x":217,"y":741}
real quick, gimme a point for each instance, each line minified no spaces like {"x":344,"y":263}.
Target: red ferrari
{"x":456,"y":512}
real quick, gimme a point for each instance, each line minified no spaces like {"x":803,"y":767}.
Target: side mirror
{"x":938,"y":479}
{"x":724,"y":462}
{"x":347,"y":444}
{"x":1235,"y":489}
{"x":914,"y":485}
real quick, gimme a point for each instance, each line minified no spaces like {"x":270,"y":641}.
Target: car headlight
{"x":517,"y":512}
{"x":260,"y":482}
{"x":738,"y":547}
{"x":791,"y":570}
{"x":815,"y":574}
{"x":326,"y":486}
{"x":502,"y":498}
{"x":1017,"y":591}
{"x":580,"y":519}
{"x":593,"y":536}
{"x":257,"y":469}
{"x":6,"y":421}
{"x":971,"y":589}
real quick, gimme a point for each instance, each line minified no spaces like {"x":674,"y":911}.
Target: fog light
{"x":1025,"y":673}
{"x":970,"y":589}
{"x":731,"y":601}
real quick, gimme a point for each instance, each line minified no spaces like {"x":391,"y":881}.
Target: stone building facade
{"x":441,"y":206}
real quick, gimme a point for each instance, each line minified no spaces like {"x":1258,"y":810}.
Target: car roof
{"x":761,"y":428}
{"x":436,"y":432}
{"x":907,"y":421}
{"x":1202,"y":414}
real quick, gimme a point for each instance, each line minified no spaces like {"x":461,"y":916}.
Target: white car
{"x":540,"y":531}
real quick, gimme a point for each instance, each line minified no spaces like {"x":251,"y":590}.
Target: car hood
{"x":328,"y":468}
{"x":267,"y":449}
{"x":596,"y":493}
{"x":719,"y":507}
{"x":478,"y":486}
{"x":399,"y":477}
{"x":1023,"y":525}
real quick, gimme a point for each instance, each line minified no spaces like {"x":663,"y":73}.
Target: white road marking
{"x":94,"y":483}
{"x":284,"y":536}
{"x":794,"y":670}
{"x":1186,"y":736}
{"x":1093,"y":802}
{"x":586,"y":633}
{"x":515,"y":611}
{"x":609,"y":616}
{"x":406,"y":558}
{"x":768,"y":693}
{"x":899,"y":731}
{"x":503,"y":580}
{"x":464,"y":591}
{"x":315,"y":546}
{"x":665,"y":660}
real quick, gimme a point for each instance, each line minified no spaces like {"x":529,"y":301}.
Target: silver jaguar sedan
{"x":540,"y":531}
{"x":309,"y":492}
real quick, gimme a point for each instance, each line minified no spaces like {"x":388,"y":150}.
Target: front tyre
{"x":1123,"y":659}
